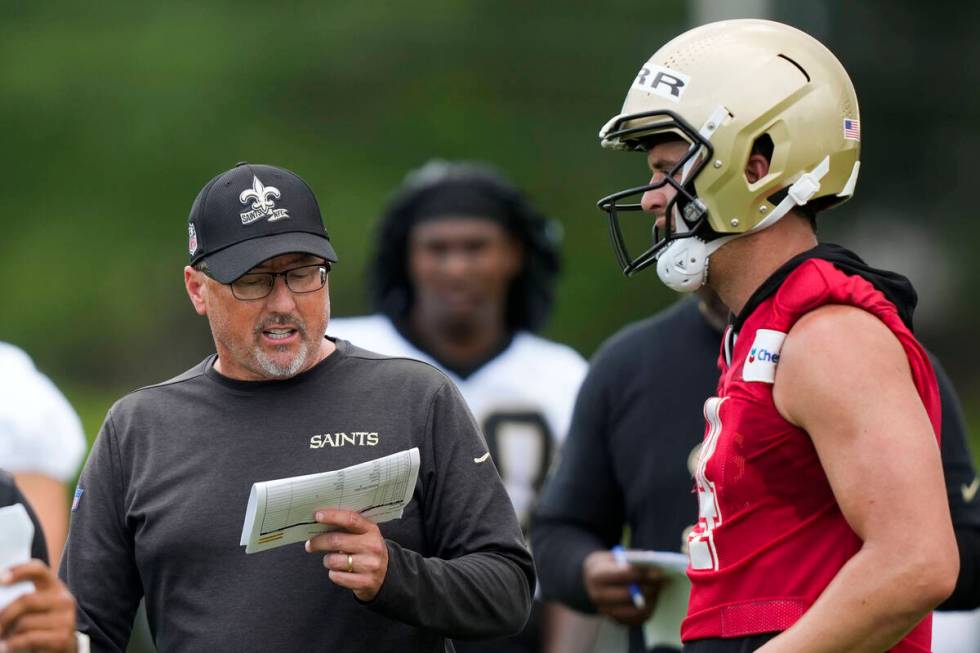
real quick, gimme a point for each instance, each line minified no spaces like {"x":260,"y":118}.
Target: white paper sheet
{"x":16,"y":535}
{"x":282,"y":511}
{"x":672,"y":562}
{"x":664,"y":625}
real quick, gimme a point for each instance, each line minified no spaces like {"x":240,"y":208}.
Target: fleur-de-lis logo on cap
{"x":260,"y":193}
{"x":263,"y":202}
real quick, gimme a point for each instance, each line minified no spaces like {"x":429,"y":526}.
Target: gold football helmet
{"x":722,"y":87}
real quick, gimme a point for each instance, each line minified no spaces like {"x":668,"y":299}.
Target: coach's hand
{"x":43,"y":620}
{"x":608,"y":585}
{"x":357,"y":555}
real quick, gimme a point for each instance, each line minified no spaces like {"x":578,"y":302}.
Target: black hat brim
{"x":228,"y":264}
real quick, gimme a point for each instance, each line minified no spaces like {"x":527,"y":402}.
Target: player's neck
{"x":737,"y":270}
{"x":458,"y":344}
{"x":712,"y":309}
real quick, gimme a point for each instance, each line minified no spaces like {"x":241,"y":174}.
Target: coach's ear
{"x":196,"y":283}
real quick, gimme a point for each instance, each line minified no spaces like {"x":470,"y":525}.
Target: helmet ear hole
{"x":764,"y":147}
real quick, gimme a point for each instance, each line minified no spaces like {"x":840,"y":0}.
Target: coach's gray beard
{"x":275,"y":370}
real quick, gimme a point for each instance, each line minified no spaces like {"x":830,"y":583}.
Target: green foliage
{"x":115,"y":115}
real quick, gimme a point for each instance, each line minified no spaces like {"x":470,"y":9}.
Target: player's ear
{"x":196,"y":284}
{"x":756,"y":168}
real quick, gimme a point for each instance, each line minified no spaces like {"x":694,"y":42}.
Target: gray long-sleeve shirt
{"x":164,"y":495}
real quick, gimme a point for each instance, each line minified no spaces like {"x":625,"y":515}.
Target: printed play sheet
{"x":282,"y":511}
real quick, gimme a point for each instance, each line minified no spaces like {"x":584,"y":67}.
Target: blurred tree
{"x":115,"y":114}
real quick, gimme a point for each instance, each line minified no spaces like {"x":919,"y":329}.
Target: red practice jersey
{"x":770,"y":536}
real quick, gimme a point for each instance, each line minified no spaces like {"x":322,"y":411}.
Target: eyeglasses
{"x":256,"y":285}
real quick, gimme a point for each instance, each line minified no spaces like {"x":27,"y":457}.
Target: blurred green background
{"x":114,"y":114}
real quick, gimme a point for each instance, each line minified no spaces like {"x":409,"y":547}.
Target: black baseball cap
{"x":252,"y":213}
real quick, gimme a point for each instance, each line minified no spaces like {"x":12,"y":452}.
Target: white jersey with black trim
{"x":522,"y":398}
{"x":39,"y":431}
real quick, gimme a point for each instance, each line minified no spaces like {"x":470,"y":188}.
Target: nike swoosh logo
{"x":485,"y":456}
{"x":970,"y":491}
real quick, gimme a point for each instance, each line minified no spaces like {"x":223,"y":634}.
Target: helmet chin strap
{"x":683,"y":264}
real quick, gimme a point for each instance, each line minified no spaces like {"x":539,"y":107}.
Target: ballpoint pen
{"x":620,"y":557}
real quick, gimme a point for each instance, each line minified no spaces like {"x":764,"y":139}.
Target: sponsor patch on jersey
{"x":662,"y":81}
{"x":760,"y":364}
{"x":78,"y":497}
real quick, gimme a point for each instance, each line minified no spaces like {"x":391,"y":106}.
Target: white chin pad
{"x":683,"y":264}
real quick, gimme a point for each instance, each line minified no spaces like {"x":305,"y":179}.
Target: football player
{"x":41,"y":441}
{"x":463,"y":276}
{"x":823,"y":522}
{"x":604,"y":479}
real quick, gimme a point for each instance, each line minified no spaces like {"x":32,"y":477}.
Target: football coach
{"x":163,"y":493}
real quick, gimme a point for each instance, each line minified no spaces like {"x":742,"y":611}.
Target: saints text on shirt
{"x":355,"y":438}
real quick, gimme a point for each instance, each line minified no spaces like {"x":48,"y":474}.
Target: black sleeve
{"x":98,"y":564}
{"x":961,"y":489}
{"x":478,"y":579}
{"x":966,"y":595}
{"x":9,"y":495}
{"x":580,"y":509}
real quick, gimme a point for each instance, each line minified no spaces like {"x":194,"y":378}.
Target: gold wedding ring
{"x":350,"y":563}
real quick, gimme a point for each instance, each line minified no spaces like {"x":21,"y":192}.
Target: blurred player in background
{"x":41,"y":442}
{"x":823,"y":523}
{"x":462,"y":278}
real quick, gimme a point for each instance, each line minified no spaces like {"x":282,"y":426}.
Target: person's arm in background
{"x":42,"y":442}
{"x":49,"y":497}
{"x":42,"y":620}
{"x":9,"y":495}
{"x":961,"y":488}
{"x":580,"y":516}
